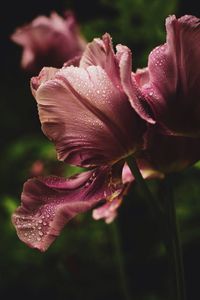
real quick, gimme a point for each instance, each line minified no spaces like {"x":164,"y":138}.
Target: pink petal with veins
{"x":48,"y":203}
{"x":90,"y":121}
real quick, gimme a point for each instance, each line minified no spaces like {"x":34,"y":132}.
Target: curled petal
{"x":49,"y":203}
{"x":100,"y":53}
{"x":130,"y":86}
{"x":173,"y":91}
{"x":89,"y":120}
{"x":119,"y":69}
{"x":142,"y":76}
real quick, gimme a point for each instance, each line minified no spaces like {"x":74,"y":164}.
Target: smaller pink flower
{"x":49,"y":41}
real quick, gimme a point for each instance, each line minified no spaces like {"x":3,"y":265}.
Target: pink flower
{"x":49,"y":41}
{"x":171,"y":83}
{"x":86,"y":113}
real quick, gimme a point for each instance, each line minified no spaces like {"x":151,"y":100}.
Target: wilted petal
{"x":90,"y":121}
{"x":173,"y":91}
{"x":49,"y":41}
{"x":49,"y":203}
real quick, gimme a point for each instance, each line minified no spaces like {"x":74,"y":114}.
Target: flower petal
{"x":142,"y":76}
{"x":90,"y":121}
{"x":130,"y":86}
{"x":100,"y":53}
{"x":107,"y":211}
{"x":173,"y":91}
{"x":48,"y":203}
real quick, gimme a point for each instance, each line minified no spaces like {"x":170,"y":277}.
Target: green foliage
{"x":139,"y":24}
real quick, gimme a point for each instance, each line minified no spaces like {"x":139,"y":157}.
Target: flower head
{"x":85,"y":111}
{"x":171,"y":83}
{"x":49,"y":41}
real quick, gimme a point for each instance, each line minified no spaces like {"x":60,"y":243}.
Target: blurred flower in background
{"x":49,"y":41}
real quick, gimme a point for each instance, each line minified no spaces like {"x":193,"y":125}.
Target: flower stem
{"x":120,"y":261}
{"x":175,"y":248}
{"x":169,"y":227}
{"x":154,"y":206}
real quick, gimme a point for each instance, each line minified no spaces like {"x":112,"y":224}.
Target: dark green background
{"x":83,"y":262}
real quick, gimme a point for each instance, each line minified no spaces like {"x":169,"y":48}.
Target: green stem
{"x":170,"y":228}
{"x":154,"y":206}
{"x":120,"y":261}
{"x":174,"y":243}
